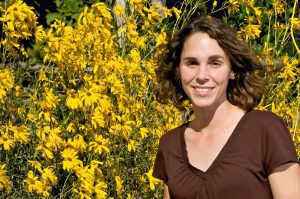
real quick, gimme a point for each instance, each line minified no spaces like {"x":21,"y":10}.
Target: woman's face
{"x":205,"y":70}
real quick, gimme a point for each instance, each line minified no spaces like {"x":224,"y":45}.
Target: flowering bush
{"x":85,"y":124}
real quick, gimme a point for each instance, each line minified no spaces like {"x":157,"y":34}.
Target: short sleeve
{"x":279,"y":147}
{"x":159,"y":169}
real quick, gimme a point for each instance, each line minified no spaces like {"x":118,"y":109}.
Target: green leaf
{"x":243,"y":9}
{"x":70,"y":6}
{"x":52,"y":16}
{"x":59,"y":3}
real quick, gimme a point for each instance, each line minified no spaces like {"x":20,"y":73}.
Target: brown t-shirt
{"x":259,"y":143}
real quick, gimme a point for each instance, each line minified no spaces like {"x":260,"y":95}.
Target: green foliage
{"x":67,"y":11}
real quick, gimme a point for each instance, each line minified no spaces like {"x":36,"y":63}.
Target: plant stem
{"x":292,"y":27}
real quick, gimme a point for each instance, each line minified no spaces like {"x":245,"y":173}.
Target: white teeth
{"x":202,"y":89}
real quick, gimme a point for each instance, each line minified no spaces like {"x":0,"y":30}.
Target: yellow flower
{"x":250,"y":19}
{"x":215,"y":3}
{"x":21,"y":133}
{"x":6,"y":79}
{"x":6,"y":82}
{"x":100,"y":190}
{"x":152,"y":181}
{"x":71,"y":128}
{"x":90,"y":181}
{"x":19,"y":22}
{"x":176,"y":12}
{"x":162,"y":38}
{"x":31,"y":117}
{"x":257,"y":12}
{"x":101,"y":10}
{"x":17,"y":91}
{"x":40,"y":34}
{"x":119,"y":10}
{"x":4,"y":179}
{"x":143,"y":132}
{"x":82,"y":193}
{"x":131,"y":146}
{"x":47,"y":115}
{"x":37,"y":165}
{"x":138,"y":4}
{"x":289,"y":69}
{"x":70,"y":159}
{"x":97,"y":86}
{"x":279,"y":26}
{"x":97,"y":118}
{"x":99,"y":144}
{"x":117,"y":86}
{"x":249,"y":2}
{"x":141,"y":42}
{"x":34,"y":184}
{"x":166,"y":12}
{"x":86,"y":180}
{"x":7,"y":141}
{"x":134,"y":55}
{"x":46,"y":152}
{"x":123,"y":127}
{"x":153,"y":15}
{"x":78,"y":143}
{"x":42,"y":76}
{"x":2,"y":94}
{"x":50,"y":100}
{"x":119,"y":186}
{"x":89,"y":97}
{"x":50,"y":137}
{"x":251,"y":31}
{"x":269,"y":12}
{"x":132,"y":36}
{"x":48,"y":177}
{"x":31,"y":181}
{"x":73,"y":101}
{"x":233,"y":6}
{"x":295,"y":22}
{"x":279,"y":6}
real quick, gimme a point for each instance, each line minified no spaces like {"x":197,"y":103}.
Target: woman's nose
{"x":202,"y":73}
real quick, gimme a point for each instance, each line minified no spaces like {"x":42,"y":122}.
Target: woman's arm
{"x":285,"y":181}
{"x":166,"y":192}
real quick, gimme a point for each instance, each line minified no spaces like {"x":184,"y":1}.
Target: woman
{"x":228,"y":150}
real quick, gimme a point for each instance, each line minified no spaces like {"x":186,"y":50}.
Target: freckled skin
{"x":205,"y":70}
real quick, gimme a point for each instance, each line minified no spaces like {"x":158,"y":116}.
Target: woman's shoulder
{"x":263,"y":116}
{"x":268,"y":122}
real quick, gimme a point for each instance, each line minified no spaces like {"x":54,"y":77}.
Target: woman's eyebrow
{"x":190,"y":59}
{"x":214,"y":57}
{"x":210,"y":58}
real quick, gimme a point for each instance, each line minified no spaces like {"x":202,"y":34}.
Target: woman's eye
{"x":216,"y":64}
{"x":191,"y":64}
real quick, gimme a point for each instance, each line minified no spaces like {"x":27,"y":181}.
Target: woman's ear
{"x":232,"y":75}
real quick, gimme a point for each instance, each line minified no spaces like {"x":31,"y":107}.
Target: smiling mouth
{"x":203,"y":91}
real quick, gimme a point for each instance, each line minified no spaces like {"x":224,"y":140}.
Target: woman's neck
{"x":208,"y":119}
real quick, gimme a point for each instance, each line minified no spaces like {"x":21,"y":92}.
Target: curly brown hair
{"x":245,"y":91}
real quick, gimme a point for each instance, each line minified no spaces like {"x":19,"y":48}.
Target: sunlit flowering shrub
{"x":19,"y":22}
{"x":84,"y":124}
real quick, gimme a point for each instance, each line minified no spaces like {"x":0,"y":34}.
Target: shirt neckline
{"x":219,"y":157}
